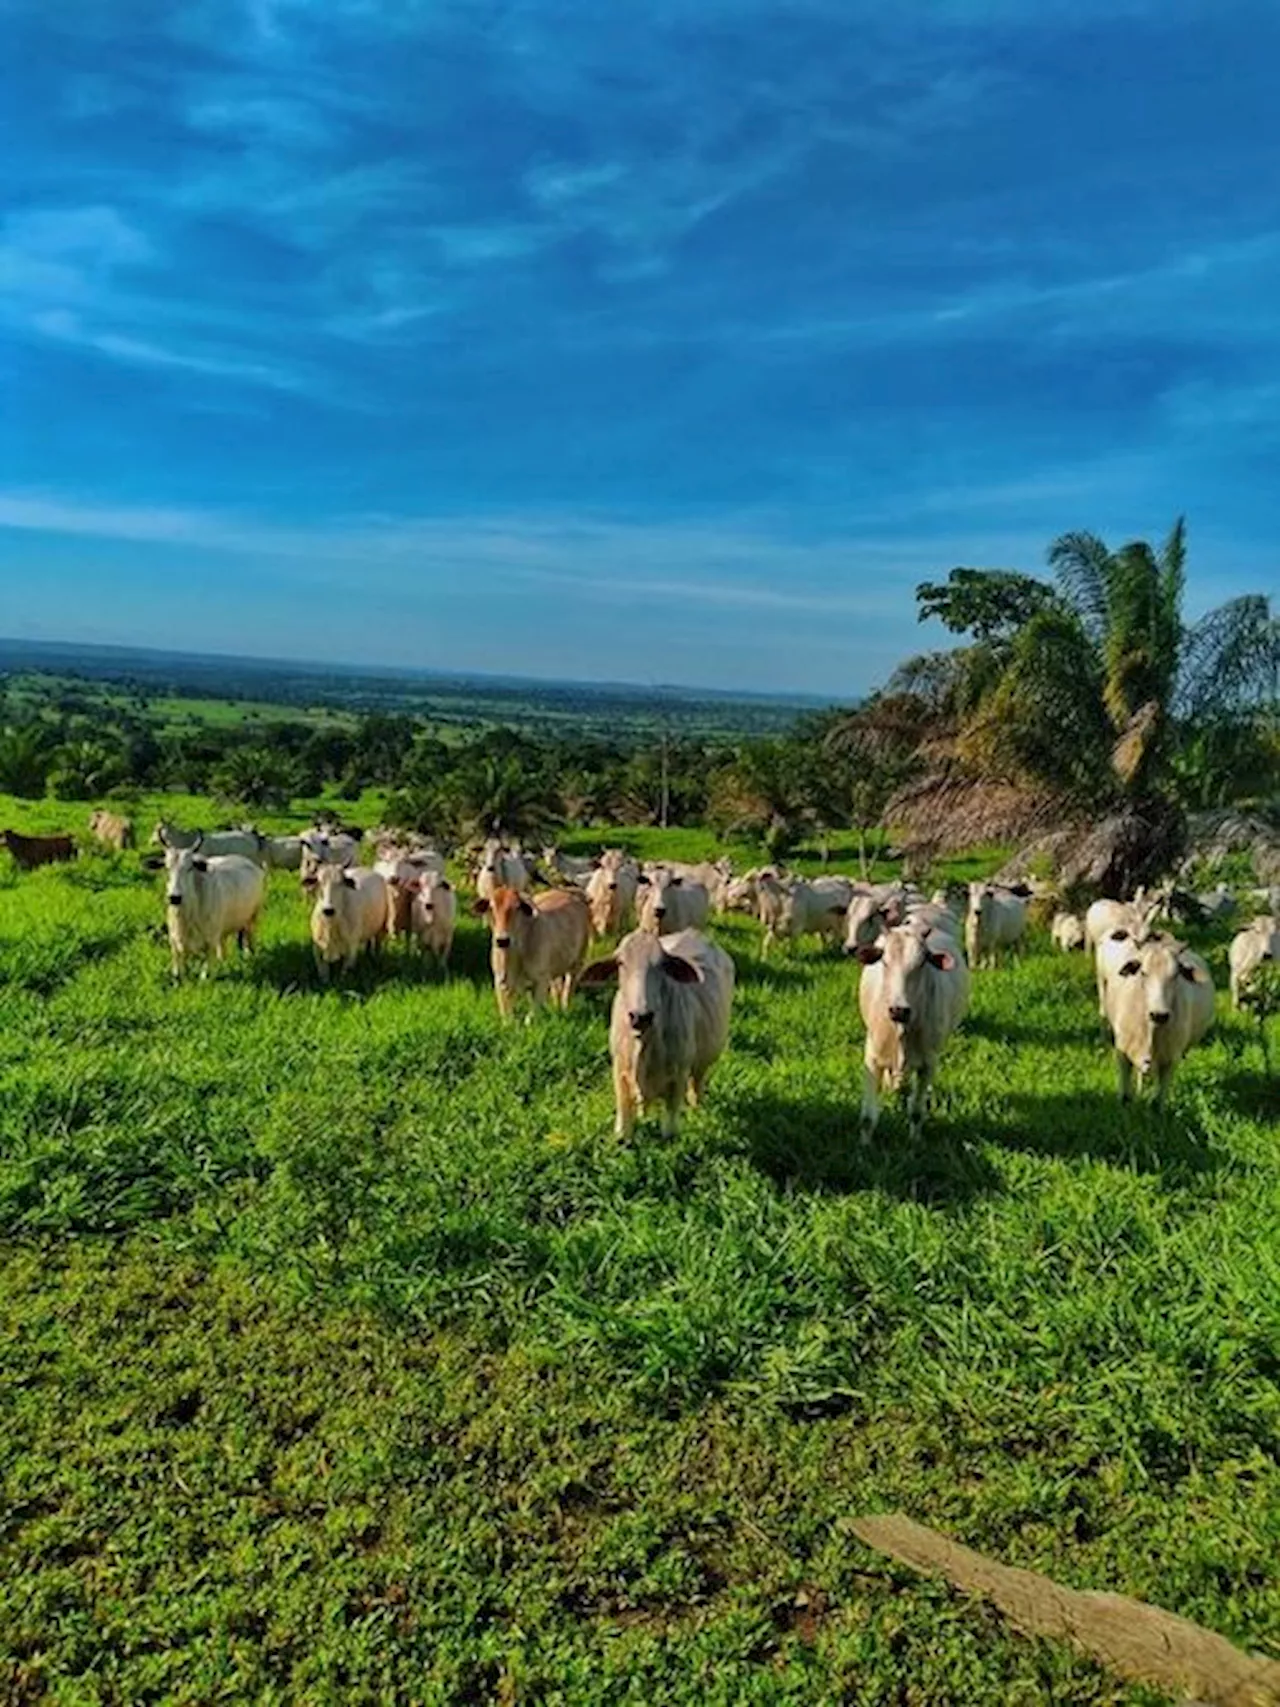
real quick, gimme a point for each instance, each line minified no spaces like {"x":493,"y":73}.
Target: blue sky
{"x":671,"y":341}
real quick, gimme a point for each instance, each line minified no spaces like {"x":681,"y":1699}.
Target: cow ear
{"x":943,"y":959}
{"x":480,"y":907}
{"x":200,"y":864}
{"x":526,"y":907}
{"x":1121,"y":935}
{"x":599,"y":972}
{"x":681,"y":970}
{"x":348,"y":882}
{"x":1192,"y":973}
{"x":1130,"y":968}
{"x":869,"y":953}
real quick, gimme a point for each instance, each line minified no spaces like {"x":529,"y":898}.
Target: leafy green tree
{"x":990,"y":604}
{"x":25,"y":761}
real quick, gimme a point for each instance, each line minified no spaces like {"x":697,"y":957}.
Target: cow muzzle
{"x":1159,"y":1019}
{"x":175,"y":900}
{"x":502,"y":942}
{"x":659,"y":912}
{"x":329,"y":912}
{"x":900,"y":1015}
{"x":640,"y":1023}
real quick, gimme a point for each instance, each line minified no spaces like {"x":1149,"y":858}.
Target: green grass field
{"x":347,"y":1357}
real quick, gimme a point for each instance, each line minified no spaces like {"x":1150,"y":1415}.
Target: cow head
{"x":644,"y":974}
{"x":509,"y":914}
{"x":183,"y":869}
{"x":905,"y":958}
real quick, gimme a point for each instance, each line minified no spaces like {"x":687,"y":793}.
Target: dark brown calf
{"x":31,"y":851}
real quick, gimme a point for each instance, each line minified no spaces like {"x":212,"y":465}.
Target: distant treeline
{"x":77,"y":741}
{"x":457,"y":701}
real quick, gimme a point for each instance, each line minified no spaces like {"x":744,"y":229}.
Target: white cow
{"x":996,"y":919}
{"x":611,"y":895}
{"x":433,"y":915}
{"x":913,"y":993}
{"x":281,"y":853}
{"x":246,"y":843}
{"x":670,"y":1021}
{"x":401,"y":868}
{"x":813,"y":908}
{"x":879,"y":907}
{"x":1135,"y":916}
{"x":1257,"y":945}
{"x":871,"y":915}
{"x":1108,"y":926}
{"x":352,"y":916}
{"x":208,"y":900}
{"x":670,"y":902}
{"x":1158,"y":1004}
{"x":714,"y":875}
{"x":573,"y":868}
{"x":1067,"y":931}
{"x":319,"y":850}
{"x":500,"y":867}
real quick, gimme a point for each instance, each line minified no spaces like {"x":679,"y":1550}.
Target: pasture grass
{"x":348,"y":1357}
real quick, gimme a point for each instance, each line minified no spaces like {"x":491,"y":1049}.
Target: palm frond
{"x":1230,"y":660}
{"x":1082,"y":563}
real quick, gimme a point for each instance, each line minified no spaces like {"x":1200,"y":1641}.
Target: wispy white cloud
{"x":727,"y":566}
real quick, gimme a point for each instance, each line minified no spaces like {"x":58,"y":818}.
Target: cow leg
{"x":1164,"y":1073}
{"x":624,"y":1102}
{"x":918,"y":1101}
{"x":671,"y":1112}
{"x":870,"y":1100}
{"x":1124,"y":1075}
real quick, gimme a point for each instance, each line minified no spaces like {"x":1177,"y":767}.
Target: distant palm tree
{"x":1102,"y":684}
{"x":1087,"y":700}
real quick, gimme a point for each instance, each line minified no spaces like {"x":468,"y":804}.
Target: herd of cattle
{"x":675,"y":986}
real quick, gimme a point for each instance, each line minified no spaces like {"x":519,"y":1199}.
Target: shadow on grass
{"x":1096,"y":1126}
{"x":1073,"y":1026}
{"x":812,"y":1143}
{"x":44,"y":965}
{"x":1254,"y":1093}
{"x":289,"y":967}
{"x":769,"y":974}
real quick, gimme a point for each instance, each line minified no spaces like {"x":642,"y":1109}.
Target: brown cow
{"x":31,"y":851}
{"x":113,"y":829}
{"x":539,"y":944}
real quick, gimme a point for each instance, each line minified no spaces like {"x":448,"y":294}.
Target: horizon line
{"x":426,"y":673}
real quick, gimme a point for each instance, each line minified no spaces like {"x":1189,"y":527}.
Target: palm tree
{"x":1093,"y":698}
{"x":1104,"y":682}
